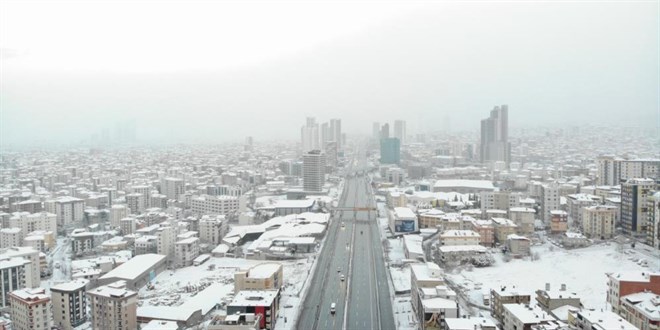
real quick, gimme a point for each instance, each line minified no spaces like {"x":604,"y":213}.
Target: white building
{"x":185,"y":251}
{"x":28,"y":223}
{"x":403,"y":220}
{"x":11,"y":237}
{"x":599,"y":221}
{"x":518,"y":316}
{"x":313,"y":171}
{"x":459,"y":237}
{"x":127,"y":226}
{"x":212,"y":229}
{"x":523,"y":217}
{"x":575,"y":203}
{"x":549,"y":201}
{"x":32,"y":278}
{"x":17,"y":269}
{"x":173,"y":188}
{"x":166,"y":240}
{"x":215,"y":205}
{"x":136,"y":203}
{"x":68,"y":210}
{"x":113,"y":307}
{"x":30,"y":309}
{"x":69,"y":304}
{"x":117,"y":212}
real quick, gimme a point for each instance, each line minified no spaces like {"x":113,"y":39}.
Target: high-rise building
{"x":69,"y":304}
{"x":30,"y":309}
{"x":173,"y":187}
{"x":375,"y":131}
{"x":117,"y":212}
{"x":113,"y":307}
{"x":495,"y":144}
{"x":69,"y":210}
{"x":634,"y":199}
{"x":212,"y":229}
{"x":390,"y":151}
{"x":166,"y":240}
{"x":335,"y":132}
{"x":598,"y":221}
{"x":310,"y":135}
{"x":313,"y":171}
{"x":32,"y":276}
{"x":400,"y":131}
{"x":325,"y":135}
{"x":385,"y":131}
{"x":653,"y":221}
{"x":613,"y":170}
{"x":16,"y":270}
{"x":550,"y":200}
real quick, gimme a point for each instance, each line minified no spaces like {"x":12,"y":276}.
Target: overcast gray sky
{"x":224,"y":70}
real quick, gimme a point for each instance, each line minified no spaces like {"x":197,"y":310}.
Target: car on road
{"x":342,"y":277}
{"x":57,"y":265}
{"x":338,"y":269}
{"x":333,"y":308}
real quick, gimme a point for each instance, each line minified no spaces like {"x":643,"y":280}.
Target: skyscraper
{"x":310,"y":135}
{"x":313,"y":171}
{"x":335,"y":132}
{"x":634,"y":208}
{"x":400,"y":130}
{"x":495,"y":144}
{"x":385,"y":131}
{"x":390,"y":151}
{"x":375,"y":131}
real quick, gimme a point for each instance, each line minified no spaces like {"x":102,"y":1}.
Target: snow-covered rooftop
{"x":135,"y":267}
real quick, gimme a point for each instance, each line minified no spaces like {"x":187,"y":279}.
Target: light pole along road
{"x":352,"y":248}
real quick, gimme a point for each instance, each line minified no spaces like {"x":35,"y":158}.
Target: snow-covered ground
{"x":403,"y":313}
{"x":582,"y":270}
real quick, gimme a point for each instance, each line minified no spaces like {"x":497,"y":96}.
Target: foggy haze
{"x":194,"y":73}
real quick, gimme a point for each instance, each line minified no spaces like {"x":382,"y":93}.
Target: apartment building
{"x":118,"y":212}
{"x":266,"y":276}
{"x":32,"y":275}
{"x":69,"y":304}
{"x":68,"y":210}
{"x":42,"y":221}
{"x":16,"y":270}
{"x":459,"y":237}
{"x":166,"y":240}
{"x":505,"y":295}
{"x":185,"y":251}
{"x":549,"y":201}
{"x":30,"y":309}
{"x":212,"y":229}
{"x":214,"y":205}
{"x":523,"y":217}
{"x":634,"y":210}
{"x":575,"y":203}
{"x":599,"y":221}
{"x":10,"y":237}
{"x":113,"y":307}
{"x":623,"y":284}
{"x":558,"y":221}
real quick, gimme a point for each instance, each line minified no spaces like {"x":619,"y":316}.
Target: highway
{"x":352,"y":248}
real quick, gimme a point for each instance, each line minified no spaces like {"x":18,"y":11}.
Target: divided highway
{"x":353,"y":248}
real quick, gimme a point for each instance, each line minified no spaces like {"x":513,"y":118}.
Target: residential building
{"x":598,"y":320}
{"x":264,"y":303}
{"x":173,"y":188}
{"x":266,"y":276}
{"x":486,"y":232}
{"x":613,"y":170}
{"x":166,"y":240}
{"x":313,"y":171}
{"x":642,"y":309}
{"x":10,"y":237}
{"x":146,"y":244}
{"x":503,"y":228}
{"x":212,"y":229}
{"x":549,"y":300}
{"x":479,"y":323}
{"x":518,"y":245}
{"x":550,"y":201}
{"x":497,"y":200}
{"x":127,"y":226}
{"x":17,"y":270}
{"x":310,"y":135}
{"x":599,"y":221}
{"x":118,"y":212}
{"x":185,"y":251}
{"x":653,"y":221}
{"x":136,"y":202}
{"x":69,"y":210}
{"x":423,"y":275}
{"x":519,"y":316}
{"x":558,"y":221}
{"x":523,"y":217}
{"x":634,"y":210}
{"x":502,"y":296}
{"x":32,"y":275}
{"x":463,"y":186}
{"x":623,"y":284}
{"x":575,"y":203}
{"x":494,"y":144}
{"x":28,"y":223}
{"x":69,"y":304}
{"x":113,"y":306}
{"x":30,"y":309}
{"x":459,"y":237}
{"x":214,"y":205}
